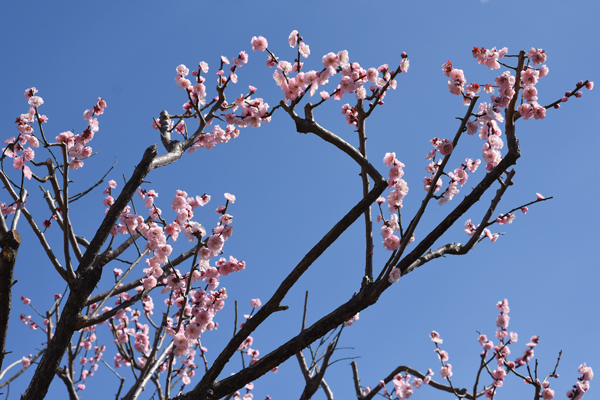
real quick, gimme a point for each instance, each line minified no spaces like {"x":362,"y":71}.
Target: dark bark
{"x":8,"y":257}
{"x":87,"y":276}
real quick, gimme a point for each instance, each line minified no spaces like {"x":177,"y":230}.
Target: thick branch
{"x":362,"y":136}
{"x":207,"y":388}
{"x":514,"y":152}
{"x":8,"y":257}
{"x":88,"y":275}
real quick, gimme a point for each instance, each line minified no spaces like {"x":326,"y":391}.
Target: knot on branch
{"x":302,"y":125}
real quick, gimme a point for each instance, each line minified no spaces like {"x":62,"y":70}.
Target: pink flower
{"x":293,"y":38}
{"x":108,"y":201}
{"x":330,"y":60}
{"x":548,"y":394}
{"x":255,"y":303}
{"x":18,"y":163}
{"x":537,"y":56}
{"x":446,"y":371}
{"x":35,"y":101}
{"x":26,"y":361}
{"x":394,"y":275}
{"x":499,"y":374}
{"x":347,"y":85}
{"x":435,"y":337}
{"x":389,"y":158}
{"x":392,"y":243}
{"x":259,"y":43}
{"x":404,"y":65}
{"x":539,"y":196}
{"x":352,"y":320}
{"x":502,"y":321}
{"x":30,"y":92}
{"x":230,"y":198}
{"x":304,"y":50}
{"x":445,"y":147}
{"x":586,"y":371}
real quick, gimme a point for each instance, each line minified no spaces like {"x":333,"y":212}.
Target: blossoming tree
{"x":162,"y":351}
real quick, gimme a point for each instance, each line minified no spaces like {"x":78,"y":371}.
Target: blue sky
{"x":291,"y":188}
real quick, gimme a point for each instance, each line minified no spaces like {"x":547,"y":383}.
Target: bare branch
{"x":64,"y":375}
{"x":360,"y":126}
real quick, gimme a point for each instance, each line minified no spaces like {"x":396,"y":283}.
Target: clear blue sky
{"x":291,"y":188}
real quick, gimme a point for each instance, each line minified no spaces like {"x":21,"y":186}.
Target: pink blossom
{"x":388,"y":159}
{"x":255,"y":303}
{"x":435,"y":337}
{"x":502,"y":321}
{"x":330,"y":60}
{"x":30,"y":92}
{"x":392,"y":243}
{"x":259,"y":43}
{"x":529,"y":76}
{"x":472,"y":165}
{"x":470,"y":228}
{"x":347,"y":85}
{"x":449,"y":193}
{"x":539,"y":112}
{"x":108,"y":201}
{"x":537,"y":56}
{"x":445,"y":147}
{"x":230,"y":198}
{"x":404,"y":65}
{"x":35,"y":101}
{"x":443,"y":355}
{"x":540,"y":197}
{"x":394,"y":275}
{"x":530,"y":93}
{"x":293,"y":38}
{"x":18,"y":163}
{"x":352,"y":320}
{"x":304,"y":49}
{"x":526,"y":111}
{"x":446,"y":371}
{"x":460,"y":176}
{"x":586,"y":371}
{"x":548,"y":394}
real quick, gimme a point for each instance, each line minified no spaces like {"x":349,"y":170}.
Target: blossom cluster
{"x":253,"y":111}
{"x":354,"y":78}
{"x":399,"y":189}
{"x":402,"y":388}
{"x":446,"y":371}
{"x":195,"y":309}
{"x":458,"y":177}
{"x":501,"y":353}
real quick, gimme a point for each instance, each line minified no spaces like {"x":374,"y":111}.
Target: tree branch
{"x":9,"y":243}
